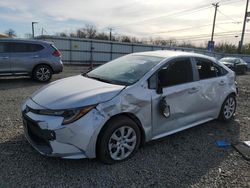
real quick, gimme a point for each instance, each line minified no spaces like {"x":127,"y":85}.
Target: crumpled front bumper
{"x":50,"y":138}
{"x":44,"y":141}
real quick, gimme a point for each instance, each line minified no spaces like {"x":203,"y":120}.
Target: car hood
{"x":74,"y":92}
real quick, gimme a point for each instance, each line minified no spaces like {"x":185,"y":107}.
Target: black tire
{"x":104,"y":140}
{"x":228,"y":115}
{"x":42,"y":73}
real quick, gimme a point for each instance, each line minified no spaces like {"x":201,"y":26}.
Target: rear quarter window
{"x":208,"y":69}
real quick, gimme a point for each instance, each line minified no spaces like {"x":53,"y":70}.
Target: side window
{"x":220,"y":71}
{"x":4,"y":47}
{"x":19,"y":47}
{"x":206,"y":69}
{"x":152,"y":82}
{"x":25,"y":47}
{"x":35,"y":47}
{"x":178,"y":72}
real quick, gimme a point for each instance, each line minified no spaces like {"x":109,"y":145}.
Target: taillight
{"x":56,"y":53}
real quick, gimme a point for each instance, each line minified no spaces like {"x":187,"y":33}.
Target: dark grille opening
{"x":37,"y":138}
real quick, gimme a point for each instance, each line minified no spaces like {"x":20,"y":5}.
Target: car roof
{"x":170,"y":53}
{"x":24,"y":40}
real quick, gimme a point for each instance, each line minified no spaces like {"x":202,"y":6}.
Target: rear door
{"x":5,"y":66}
{"x":24,"y":56}
{"x":213,"y":85}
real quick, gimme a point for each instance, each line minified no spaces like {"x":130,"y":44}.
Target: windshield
{"x":125,"y":70}
{"x":229,"y":60}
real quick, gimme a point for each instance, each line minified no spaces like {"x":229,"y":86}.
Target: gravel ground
{"x":186,"y":159}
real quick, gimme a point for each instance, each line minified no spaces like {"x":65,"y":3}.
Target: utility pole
{"x":215,"y":13}
{"x":42,"y":31}
{"x":110,"y":33}
{"x":33,"y":33}
{"x":244,"y":26}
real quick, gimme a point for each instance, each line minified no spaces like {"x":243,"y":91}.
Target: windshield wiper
{"x":106,"y":81}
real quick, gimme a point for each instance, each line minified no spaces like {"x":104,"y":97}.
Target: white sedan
{"x":109,"y":112}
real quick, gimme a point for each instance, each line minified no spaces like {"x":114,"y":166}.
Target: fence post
{"x":70,"y":52}
{"x":91,"y":55}
{"x":132,"y":47}
{"x":111,"y":51}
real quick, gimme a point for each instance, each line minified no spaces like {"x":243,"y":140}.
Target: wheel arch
{"x":127,"y":115}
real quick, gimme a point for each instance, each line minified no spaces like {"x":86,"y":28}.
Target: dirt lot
{"x":187,"y":159}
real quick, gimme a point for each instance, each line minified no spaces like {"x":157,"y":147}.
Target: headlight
{"x":69,"y":115}
{"x":72,"y":115}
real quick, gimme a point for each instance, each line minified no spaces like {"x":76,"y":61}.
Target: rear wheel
{"x":228,"y":109}
{"x":118,"y":141}
{"x":42,"y":73}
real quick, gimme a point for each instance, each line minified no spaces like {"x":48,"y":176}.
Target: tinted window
{"x":35,"y":47}
{"x":206,"y":69}
{"x":220,"y":71}
{"x":178,"y":72}
{"x":4,"y":47}
{"x":26,"y":47}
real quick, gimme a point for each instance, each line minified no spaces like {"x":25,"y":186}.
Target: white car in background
{"x":109,"y":112}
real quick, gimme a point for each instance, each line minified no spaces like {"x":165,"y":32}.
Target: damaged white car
{"x":109,"y":112}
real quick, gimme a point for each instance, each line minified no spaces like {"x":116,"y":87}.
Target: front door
{"x":180,"y":98}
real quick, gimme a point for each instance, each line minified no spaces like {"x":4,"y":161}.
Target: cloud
{"x":133,"y":17}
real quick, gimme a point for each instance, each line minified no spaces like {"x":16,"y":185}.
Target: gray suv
{"x":38,"y":59}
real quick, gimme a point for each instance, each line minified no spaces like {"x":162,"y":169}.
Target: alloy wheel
{"x":229,"y":108}
{"x":122,"y":143}
{"x":43,"y":74}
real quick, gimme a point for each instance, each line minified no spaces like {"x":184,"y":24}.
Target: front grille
{"x":34,"y":134}
{"x":40,"y":137}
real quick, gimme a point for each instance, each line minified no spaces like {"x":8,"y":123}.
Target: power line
{"x":194,"y":27}
{"x":207,"y":38}
{"x":228,"y":2}
{"x":178,"y":13}
{"x":207,"y":35}
{"x":173,"y":14}
{"x":228,"y":17}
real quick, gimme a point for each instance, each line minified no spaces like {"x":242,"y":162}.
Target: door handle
{"x":35,"y":56}
{"x":6,"y":57}
{"x":222,"y":83}
{"x":193,"y":90}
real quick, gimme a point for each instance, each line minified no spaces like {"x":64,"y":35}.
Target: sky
{"x":189,"y":20}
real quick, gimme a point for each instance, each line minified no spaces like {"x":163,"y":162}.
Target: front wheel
{"x":42,"y":73}
{"x":228,"y":109}
{"x":118,"y":141}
